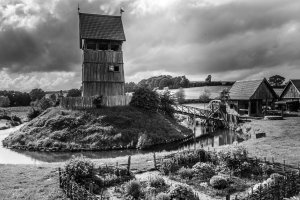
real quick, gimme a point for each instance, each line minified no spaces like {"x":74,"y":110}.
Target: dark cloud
{"x":183,"y":37}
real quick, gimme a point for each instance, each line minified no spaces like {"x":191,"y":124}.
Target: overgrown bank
{"x":98,"y":129}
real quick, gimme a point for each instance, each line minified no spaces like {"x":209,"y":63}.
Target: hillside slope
{"x":105,"y":128}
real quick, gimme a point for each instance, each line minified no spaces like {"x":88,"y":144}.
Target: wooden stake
{"x":154,"y":160}
{"x":128,"y":166}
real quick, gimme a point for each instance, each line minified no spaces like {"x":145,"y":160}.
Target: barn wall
{"x":263,"y":92}
{"x":96,"y":77}
{"x":291,"y":92}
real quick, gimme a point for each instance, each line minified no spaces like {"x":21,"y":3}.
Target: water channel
{"x":9,"y":156}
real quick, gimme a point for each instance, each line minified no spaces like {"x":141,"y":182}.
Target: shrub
{"x":182,"y":192}
{"x":80,"y":168}
{"x":145,"y":98}
{"x":218,"y":182}
{"x":156,"y":182}
{"x":234,"y":157}
{"x":186,"y":173}
{"x":205,"y":96}
{"x":204,"y":170}
{"x":169,"y":166}
{"x":163,"y":196}
{"x":45,"y":103}
{"x":277,"y":177}
{"x":98,"y":101}
{"x":33,"y":113}
{"x":133,"y":188}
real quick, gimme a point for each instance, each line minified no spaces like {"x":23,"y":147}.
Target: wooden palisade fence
{"x":78,"y":103}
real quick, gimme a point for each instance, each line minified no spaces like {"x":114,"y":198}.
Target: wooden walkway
{"x":212,"y":112}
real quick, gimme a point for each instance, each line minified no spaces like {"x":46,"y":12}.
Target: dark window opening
{"x":91,"y":46}
{"x":103,"y":47}
{"x":116,"y":68}
{"x":115,"y":47}
{"x":113,"y":68}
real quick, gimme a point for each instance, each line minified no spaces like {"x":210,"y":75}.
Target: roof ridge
{"x":100,"y":15}
{"x":250,"y":80}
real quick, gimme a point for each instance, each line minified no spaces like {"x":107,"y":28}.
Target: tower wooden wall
{"x":97,"y":79}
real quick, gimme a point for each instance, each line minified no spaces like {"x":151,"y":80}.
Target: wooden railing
{"x":75,"y":103}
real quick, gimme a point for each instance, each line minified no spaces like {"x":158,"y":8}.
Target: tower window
{"x":103,"y":46}
{"x":114,"y":68}
{"x":91,"y":46}
{"x":115,"y":47}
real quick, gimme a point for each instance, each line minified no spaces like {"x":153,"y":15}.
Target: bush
{"x":145,"y":98}
{"x":182,"y":192}
{"x":218,"y":182}
{"x":133,"y":188}
{"x":204,"y":170}
{"x":45,"y":103}
{"x":80,"y":168}
{"x":186,"y":173}
{"x":169,"y":166}
{"x":156,"y":182}
{"x":277,"y":177}
{"x":163,"y":196}
{"x":234,"y":157}
{"x":33,"y":114}
{"x":205,"y":96}
{"x":98,"y":101}
{"x":180,"y":96}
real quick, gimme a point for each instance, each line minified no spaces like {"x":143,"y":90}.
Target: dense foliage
{"x":4,"y":101}
{"x":36,"y":94}
{"x":79,"y":168}
{"x":276,"y":80}
{"x":218,"y":182}
{"x":165,"y":81}
{"x":146,"y":99}
{"x":134,"y":189}
{"x":98,"y":101}
{"x":205,"y":96}
{"x":182,"y":192}
{"x":166,"y":103}
{"x":17,"y":98}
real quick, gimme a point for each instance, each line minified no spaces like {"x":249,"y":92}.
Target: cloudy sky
{"x":229,"y":39}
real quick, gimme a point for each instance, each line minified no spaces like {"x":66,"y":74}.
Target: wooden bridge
{"x":214,"y":112}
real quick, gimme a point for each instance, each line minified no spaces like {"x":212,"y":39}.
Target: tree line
{"x":163,"y":81}
{"x":10,"y":98}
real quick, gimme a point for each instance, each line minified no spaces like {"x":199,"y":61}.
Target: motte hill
{"x":57,"y":129}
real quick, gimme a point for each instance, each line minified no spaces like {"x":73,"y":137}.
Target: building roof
{"x":244,"y":90}
{"x":105,"y":27}
{"x":278,"y":91}
{"x":296,"y":83}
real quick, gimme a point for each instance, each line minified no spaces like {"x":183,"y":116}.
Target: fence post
{"x":283,"y":165}
{"x":154,"y":160}
{"x":91,"y":188}
{"x":59,"y":174}
{"x":228,"y":197}
{"x":128,"y":166}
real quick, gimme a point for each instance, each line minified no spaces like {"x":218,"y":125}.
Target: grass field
{"x":282,"y":140}
{"x":18,"y":111}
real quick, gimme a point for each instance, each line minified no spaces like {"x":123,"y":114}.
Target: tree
{"x":166,"y":102}
{"x":36,"y":94}
{"x":180,"y":96}
{"x":53,"y":97}
{"x":208,"y":79}
{"x":4,"y":101}
{"x":130,"y":87}
{"x":224,"y":95}
{"x":276,"y":80}
{"x":145,"y":98}
{"x":74,"y":93}
{"x":184,"y":82}
{"x":205,"y":96}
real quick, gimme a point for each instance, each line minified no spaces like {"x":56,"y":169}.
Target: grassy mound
{"x":105,"y":128}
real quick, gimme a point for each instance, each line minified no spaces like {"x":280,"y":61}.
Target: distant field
{"x":195,"y":92}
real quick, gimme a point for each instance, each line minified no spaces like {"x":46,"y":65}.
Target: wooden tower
{"x":101,"y":38}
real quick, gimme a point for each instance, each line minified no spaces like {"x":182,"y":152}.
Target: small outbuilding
{"x":249,"y":97}
{"x":291,"y":95}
